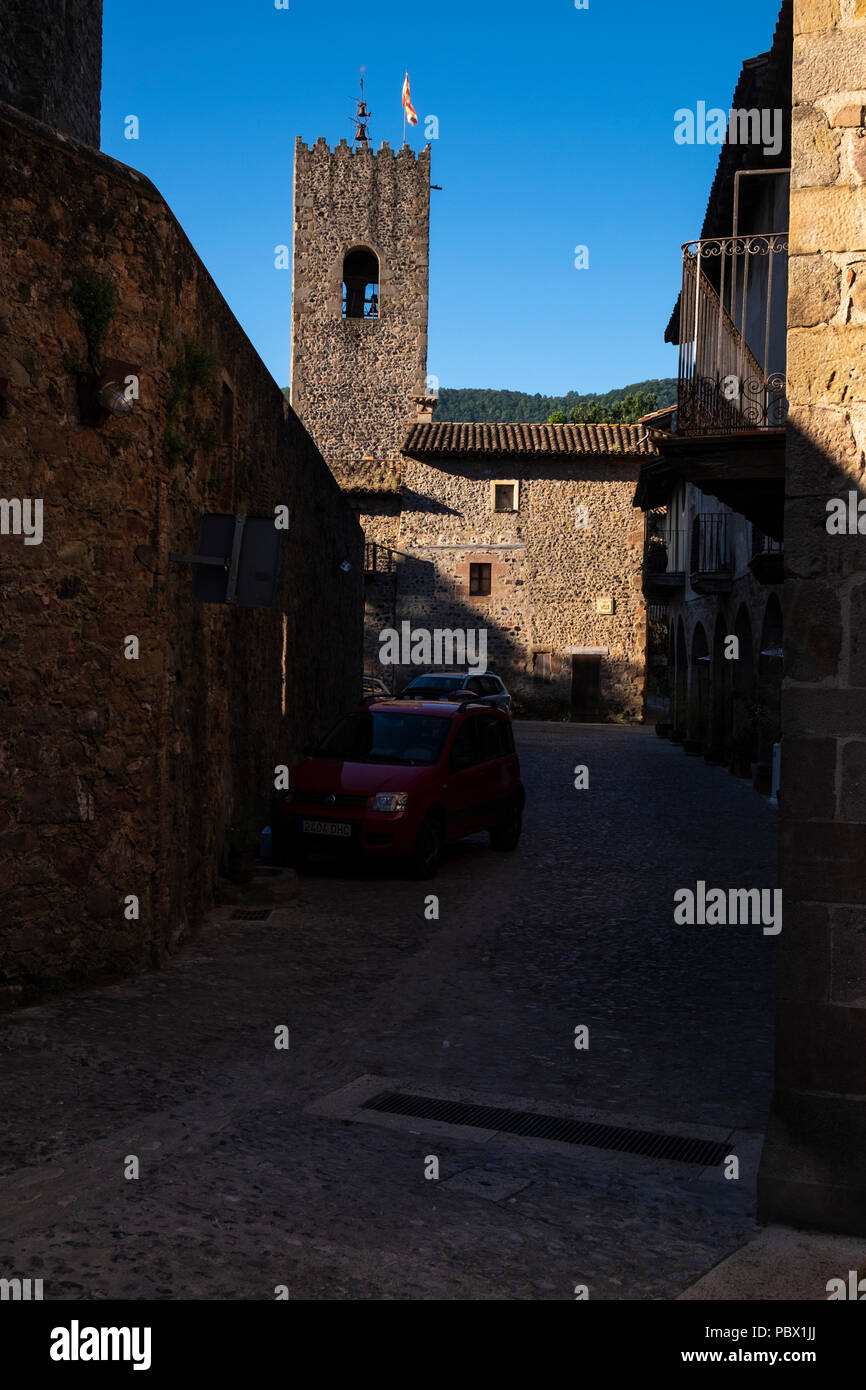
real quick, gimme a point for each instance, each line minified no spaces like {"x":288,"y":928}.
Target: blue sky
{"x":555,"y":130}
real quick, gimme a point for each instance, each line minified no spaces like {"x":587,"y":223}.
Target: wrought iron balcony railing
{"x":664,"y":563}
{"x":378,"y":559}
{"x":732,"y":334}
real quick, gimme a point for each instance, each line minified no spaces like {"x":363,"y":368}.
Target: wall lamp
{"x":113,"y":391}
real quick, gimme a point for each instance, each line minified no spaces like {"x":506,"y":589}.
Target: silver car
{"x":434,"y":685}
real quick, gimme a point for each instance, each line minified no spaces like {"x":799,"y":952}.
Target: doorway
{"x":586,"y":689}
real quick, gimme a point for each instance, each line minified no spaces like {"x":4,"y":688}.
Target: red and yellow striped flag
{"x":411,"y":113}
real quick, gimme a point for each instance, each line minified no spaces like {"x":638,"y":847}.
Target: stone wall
{"x":379,"y":516}
{"x":547,"y":573}
{"x":118,"y":777}
{"x":51,"y":62}
{"x":353,"y":380}
{"x":813,"y":1169}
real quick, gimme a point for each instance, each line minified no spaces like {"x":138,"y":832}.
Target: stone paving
{"x":242,"y":1187}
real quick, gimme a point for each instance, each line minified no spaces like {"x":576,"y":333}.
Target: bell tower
{"x":359,"y":299}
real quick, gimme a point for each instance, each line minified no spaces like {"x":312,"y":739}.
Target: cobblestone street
{"x":249,"y":1177}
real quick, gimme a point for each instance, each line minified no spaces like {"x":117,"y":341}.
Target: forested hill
{"x":472,"y":403}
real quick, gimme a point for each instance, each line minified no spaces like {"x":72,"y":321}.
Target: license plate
{"x":326,"y":827}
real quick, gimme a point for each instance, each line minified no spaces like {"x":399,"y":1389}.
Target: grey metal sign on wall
{"x":238,"y":560}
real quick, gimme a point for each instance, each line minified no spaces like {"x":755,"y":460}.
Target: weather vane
{"x":361,"y":117}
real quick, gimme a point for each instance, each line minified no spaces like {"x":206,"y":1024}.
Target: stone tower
{"x":51,"y":62}
{"x":359,"y":302}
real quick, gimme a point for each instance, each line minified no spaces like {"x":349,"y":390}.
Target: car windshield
{"x":386,"y":736}
{"x":436,"y":683}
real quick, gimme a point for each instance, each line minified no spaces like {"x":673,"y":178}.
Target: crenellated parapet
{"x":321,"y":149}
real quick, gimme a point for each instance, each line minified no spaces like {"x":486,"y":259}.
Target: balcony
{"x":664,"y":570}
{"x":732,"y":335}
{"x":767,"y":563}
{"x":379,"y":561}
{"x":711,"y":569}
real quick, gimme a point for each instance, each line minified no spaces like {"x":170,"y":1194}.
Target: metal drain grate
{"x":706,"y":1152}
{"x":245,"y":915}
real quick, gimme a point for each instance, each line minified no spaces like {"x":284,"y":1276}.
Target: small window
{"x":361,"y":284}
{"x":541,"y":666}
{"x":505,"y":497}
{"x":479,"y":579}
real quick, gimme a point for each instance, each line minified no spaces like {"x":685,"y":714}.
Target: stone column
{"x":813,"y":1169}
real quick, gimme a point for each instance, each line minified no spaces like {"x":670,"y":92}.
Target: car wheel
{"x":507,"y":835}
{"x":427,"y":854}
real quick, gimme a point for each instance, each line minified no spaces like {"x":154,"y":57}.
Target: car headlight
{"x":391,"y":802}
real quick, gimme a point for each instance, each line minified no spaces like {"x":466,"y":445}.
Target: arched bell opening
{"x":361,"y":284}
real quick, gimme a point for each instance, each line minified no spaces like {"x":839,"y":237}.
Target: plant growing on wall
{"x":194,"y":369}
{"x":659,"y":635}
{"x":656,"y":558}
{"x":95,"y":299}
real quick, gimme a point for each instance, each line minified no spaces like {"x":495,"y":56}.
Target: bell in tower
{"x":362,"y":119}
{"x":361,"y":284}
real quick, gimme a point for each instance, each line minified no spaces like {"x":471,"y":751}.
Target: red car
{"x":401,"y":779}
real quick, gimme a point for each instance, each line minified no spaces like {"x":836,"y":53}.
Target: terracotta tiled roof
{"x":452,"y":439}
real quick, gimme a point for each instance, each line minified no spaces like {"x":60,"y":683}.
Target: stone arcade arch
{"x":743,"y":742}
{"x":719,"y":747}
{"x":699,"y":688}
{"x":769,"y":681}
{"x":681,"y":677}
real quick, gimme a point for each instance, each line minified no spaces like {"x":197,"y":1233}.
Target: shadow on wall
{"x":562,"y":687}
{"x":420,"y":502}
{"x":122,"y":771}
{"x":811,"y":1171}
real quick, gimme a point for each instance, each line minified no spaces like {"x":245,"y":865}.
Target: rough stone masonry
{"x":118,"y":778}
{"x":812,"y":1170}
